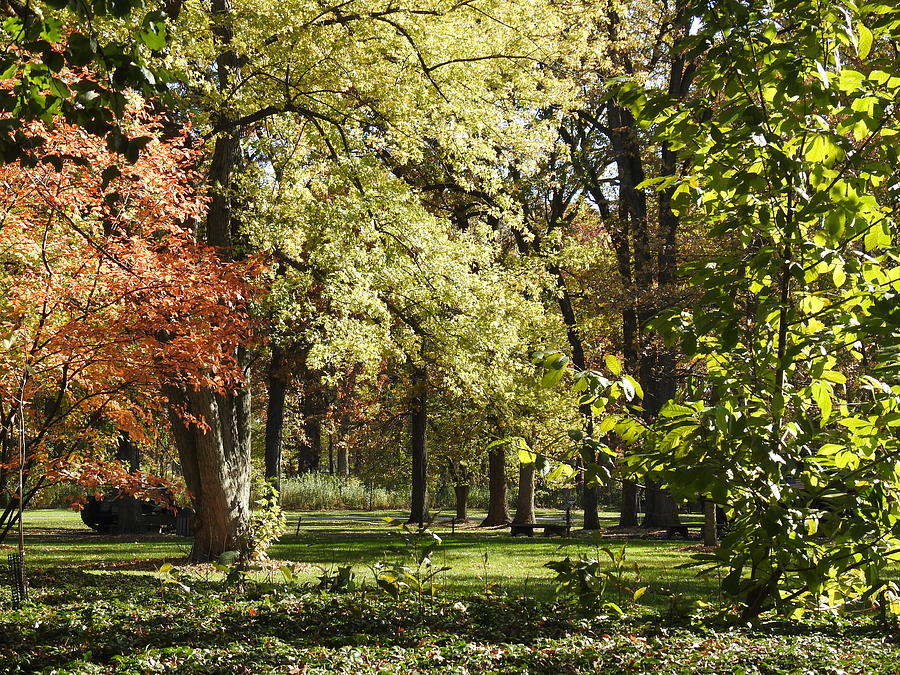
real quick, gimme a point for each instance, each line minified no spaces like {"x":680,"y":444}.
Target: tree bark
{"x":461,"y":493}
{"x":215,"y":460}
{"x":710,"y":537}
{"x":590,"y":497}
{"x":343,"y":457}
{"x":215,"y":454}
{"x":275,"y":415}
{"x":310,"y":450}
{"x":525,"y":499}
{"x":660,"y":508}
{"x":418,"y":512}
{"x":628,"y":515}
{"x":130,"y":520}
{"x":498,"y":510}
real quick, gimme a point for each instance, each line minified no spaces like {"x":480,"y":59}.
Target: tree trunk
{"x":660,"y":509}
{"x":590,"y":496}
{"x":215,"y":454}
{"x":525,"y":499}
{"x":709,"y":523}
{"x":657,"y":376}
{"x":418,"y":512}
{"x":130,"y":520}
{"x":628,"y":516}
{"x":589,"y":490}
{"x":275,"y":415}
{"x":498,"y":510}
{"x":343,"y":457}
{"x":461,"y":492}
{"x":215,"y":460}
{"x":310,"y":451}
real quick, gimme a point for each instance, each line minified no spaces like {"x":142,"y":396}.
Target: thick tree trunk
{"x":525,"y":499}
{"x":214,"y":439}
{"x":275,"y":415}
{"x":660,"y":508}
{"x":628,"y":515}
{"x":657,"y":376}
{"x":498,"y":510}
{"x":215,"y":460}
{"x":461,"y":493}
{"x":418,"y":511}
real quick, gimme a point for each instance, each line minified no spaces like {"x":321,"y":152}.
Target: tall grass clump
{"x":322,"y":491}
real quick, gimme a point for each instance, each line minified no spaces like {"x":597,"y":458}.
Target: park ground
{"x":105,"y":604}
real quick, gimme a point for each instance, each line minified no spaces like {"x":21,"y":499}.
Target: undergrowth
{"x":113,"y":623}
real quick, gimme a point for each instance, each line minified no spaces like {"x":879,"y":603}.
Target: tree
{"x":790,"y":158}
{"x":324,"y":89}
{"x":44,"y":73}
{"x":105,"y":297}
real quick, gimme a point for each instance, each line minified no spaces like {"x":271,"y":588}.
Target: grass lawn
{"x":100,"y":606}
{"x":478,"y":558}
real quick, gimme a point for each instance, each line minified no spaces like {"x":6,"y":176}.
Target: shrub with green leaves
{"x":595,"y":584}
{"x":789,"y":421}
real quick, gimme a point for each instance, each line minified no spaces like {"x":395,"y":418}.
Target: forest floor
{"x":105,"y":604}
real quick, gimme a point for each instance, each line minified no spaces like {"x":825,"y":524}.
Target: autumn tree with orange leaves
{"x":105,"y":297}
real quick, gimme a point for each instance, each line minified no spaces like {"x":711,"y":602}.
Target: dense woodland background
{"x":468,"y":250}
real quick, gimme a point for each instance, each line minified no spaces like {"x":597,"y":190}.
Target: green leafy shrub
{"x":417,"y":573}
{"x":593,"y":583}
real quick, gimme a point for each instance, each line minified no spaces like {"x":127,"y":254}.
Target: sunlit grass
{"x":480,"y":560}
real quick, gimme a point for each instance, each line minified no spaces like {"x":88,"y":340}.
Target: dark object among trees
{"x":105,"y":515}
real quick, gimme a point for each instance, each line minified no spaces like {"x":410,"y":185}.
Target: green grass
{"x":100,"y":607}
{"x":478,"y":558}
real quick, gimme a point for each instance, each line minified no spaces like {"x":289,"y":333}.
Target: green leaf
{"x":628,"y":388}
{"x":560,"y":472}
{"x":607,"y":425}
{"x":613,"y":364}
{"x":834,"y":376}
{"x":817,"y":150}
{"x":552,"y":377}
{"x":850,"y":80}
{"x":154,"y":37}
{"x":634,"y":386}
{"x":527,"y":457}
{"x":821,"y":394}
{"x":676,"y":410}
{"x":864,"y":41}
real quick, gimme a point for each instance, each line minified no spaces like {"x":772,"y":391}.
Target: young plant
{"x":267,"y":523}
{"x":592,"y":583}
{"x":419,"y":575}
